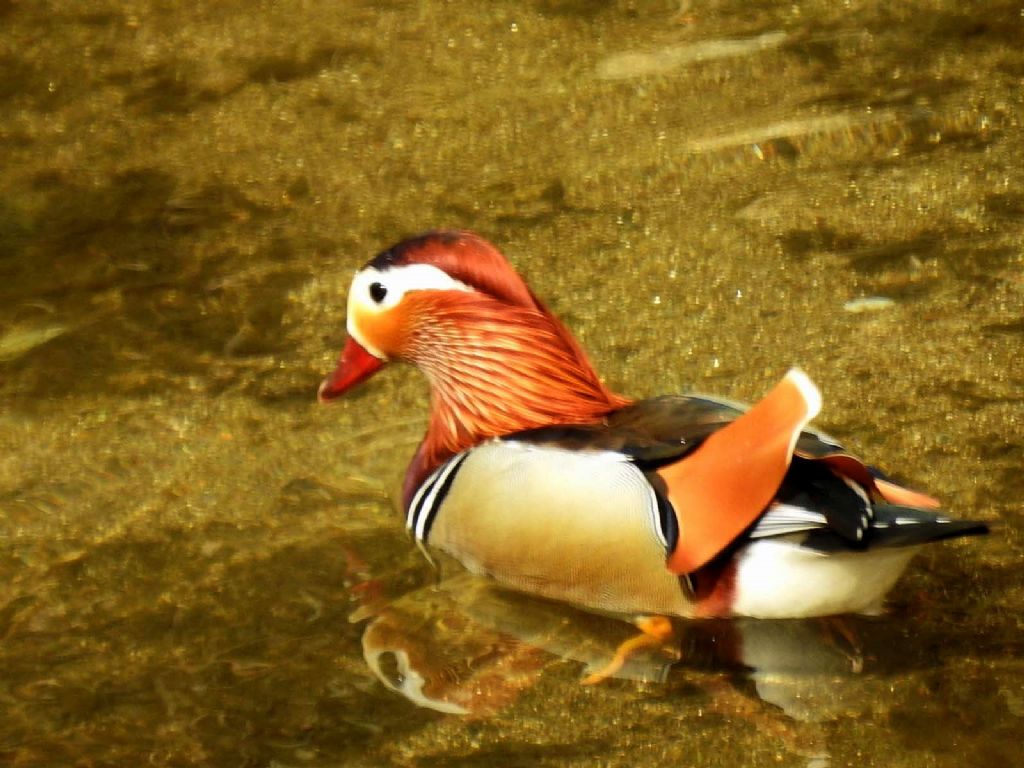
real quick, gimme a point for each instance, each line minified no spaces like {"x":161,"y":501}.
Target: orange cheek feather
{"x":387,"y":331}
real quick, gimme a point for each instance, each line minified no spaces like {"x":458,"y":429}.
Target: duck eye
{"x":378,"y":292}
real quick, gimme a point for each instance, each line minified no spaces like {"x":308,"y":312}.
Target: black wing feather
{"x":814,"y":486}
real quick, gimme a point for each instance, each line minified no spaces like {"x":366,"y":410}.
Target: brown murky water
{"x":194,"y":557}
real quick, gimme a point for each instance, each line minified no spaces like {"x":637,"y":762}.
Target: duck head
{"x":497,"y":360}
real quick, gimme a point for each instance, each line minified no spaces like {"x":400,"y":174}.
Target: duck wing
{"x":730,"y":472}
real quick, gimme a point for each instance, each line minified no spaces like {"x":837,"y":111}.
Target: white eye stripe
{"x":390,"y":286}
{"x":376,"y":290}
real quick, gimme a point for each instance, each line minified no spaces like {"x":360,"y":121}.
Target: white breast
{"x":578,"y":526}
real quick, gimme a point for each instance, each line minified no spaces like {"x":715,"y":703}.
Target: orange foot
{"x":654,"y":632}
{"x":842,"y":637}
{"x":683,"y":15}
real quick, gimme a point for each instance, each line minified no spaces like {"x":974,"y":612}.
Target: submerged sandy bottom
{"x":708,"y":197}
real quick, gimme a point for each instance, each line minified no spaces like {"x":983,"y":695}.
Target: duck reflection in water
{"x":468,"y":647}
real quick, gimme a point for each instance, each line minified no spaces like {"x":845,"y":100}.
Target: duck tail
{"x":901,"y":526}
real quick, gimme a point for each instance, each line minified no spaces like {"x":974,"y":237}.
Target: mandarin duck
{"x":534,"y":473}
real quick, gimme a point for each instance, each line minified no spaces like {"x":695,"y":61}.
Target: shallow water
{"x":194,"y":556}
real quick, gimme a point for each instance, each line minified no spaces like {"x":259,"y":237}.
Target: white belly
{"x":776,"y":579}
{"x":575,"y":526}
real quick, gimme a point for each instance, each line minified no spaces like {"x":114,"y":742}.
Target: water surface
{"x":194,"y":556}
